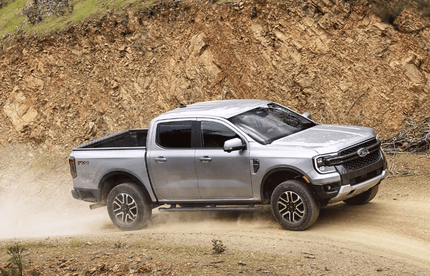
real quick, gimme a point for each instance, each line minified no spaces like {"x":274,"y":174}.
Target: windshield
{"x":267,"y":124}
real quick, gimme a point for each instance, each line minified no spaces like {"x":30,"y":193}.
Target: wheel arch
{"x":113,"y":179}
{"x":276,"y":176}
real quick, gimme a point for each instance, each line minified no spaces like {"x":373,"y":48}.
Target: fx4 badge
{"x":362,"y":152}
{"x":83,"y":163}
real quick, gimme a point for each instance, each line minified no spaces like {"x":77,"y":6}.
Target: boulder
{"x":19,"y":110}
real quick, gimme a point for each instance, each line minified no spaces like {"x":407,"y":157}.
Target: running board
{"x":97,"y":205}
{"x":173,"y":208}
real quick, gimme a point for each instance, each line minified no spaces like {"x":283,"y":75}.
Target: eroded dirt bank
{"x":338,"y":61}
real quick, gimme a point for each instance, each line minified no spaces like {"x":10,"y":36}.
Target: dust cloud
{"x":23,"y":220}
{"x":35,"y":199}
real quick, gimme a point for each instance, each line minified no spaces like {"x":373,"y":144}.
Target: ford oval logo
{"x":362,"y":152}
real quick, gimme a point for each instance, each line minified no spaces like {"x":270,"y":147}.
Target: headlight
{"x":320,"y":163}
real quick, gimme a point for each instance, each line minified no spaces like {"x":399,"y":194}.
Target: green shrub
{"x":75,"y":243}
{"x":16,"y":259}
{"x":218,"y":247}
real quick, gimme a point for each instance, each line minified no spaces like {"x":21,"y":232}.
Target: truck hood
{"x":327,"y":138}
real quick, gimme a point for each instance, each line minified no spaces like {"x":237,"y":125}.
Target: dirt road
{"x":391,"y":233}
{"x":388,"y":236}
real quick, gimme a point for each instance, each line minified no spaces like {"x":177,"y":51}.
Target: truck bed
{"x":124,"y":139}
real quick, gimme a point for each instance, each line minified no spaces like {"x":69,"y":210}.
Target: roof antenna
{"x":181,"y":105}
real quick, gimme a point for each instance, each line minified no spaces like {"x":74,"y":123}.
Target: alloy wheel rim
{"x":125,"y":208}
{"x":291,"y":207}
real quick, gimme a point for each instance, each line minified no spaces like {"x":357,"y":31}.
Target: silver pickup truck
{"x":225,"y":156}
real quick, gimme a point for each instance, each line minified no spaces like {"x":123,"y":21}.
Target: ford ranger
{"x":229,"y":155}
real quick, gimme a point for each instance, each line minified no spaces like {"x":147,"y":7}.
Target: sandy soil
{"x":388,"y":236}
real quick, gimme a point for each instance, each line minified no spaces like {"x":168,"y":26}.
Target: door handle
{"x":160,"y":159}
{"x":205,"y":159}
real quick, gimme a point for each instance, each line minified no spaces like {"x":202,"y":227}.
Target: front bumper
{"x":348,"y":191}
{"x":352,"y":182}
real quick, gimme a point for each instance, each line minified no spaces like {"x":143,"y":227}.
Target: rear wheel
{"x":363,"y":198}
{"x":128,"y":207}
{"x":293,"y":205}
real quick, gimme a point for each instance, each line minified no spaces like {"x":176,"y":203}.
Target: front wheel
{"x":363,"y":198}
{"x":128,"y":207}
{"x":293,"y":205}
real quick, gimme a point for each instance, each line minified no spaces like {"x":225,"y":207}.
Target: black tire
{"x":363,"y":198}
{"x":293,"y":205}
{"x":128,"y":207}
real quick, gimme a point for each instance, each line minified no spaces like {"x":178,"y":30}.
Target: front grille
{"x":359,"y":162}
{"x":362,"y":161}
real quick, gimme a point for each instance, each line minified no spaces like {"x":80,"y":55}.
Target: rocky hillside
{"x":333,"y":58}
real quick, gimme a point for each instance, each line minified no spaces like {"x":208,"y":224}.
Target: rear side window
{"x":174,"y":134}
{"x":215,"y":134}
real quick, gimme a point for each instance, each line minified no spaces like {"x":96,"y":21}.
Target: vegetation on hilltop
{"x":45,"y":16}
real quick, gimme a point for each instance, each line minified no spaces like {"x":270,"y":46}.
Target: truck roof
{"x":222,"y":109}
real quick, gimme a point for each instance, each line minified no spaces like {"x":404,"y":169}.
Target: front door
{"x":221,"y":175}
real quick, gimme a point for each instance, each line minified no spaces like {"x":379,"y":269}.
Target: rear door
{"x":171,"y":161}
{"x":221,"y":175}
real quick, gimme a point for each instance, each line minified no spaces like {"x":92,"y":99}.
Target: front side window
{"x":174,"y":134}
{"x":215,"y":134}
{"x":267,"y":124}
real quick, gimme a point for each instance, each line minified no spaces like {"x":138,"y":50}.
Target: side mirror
{"x":233,"y":144}
{"x":307,"y":115}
